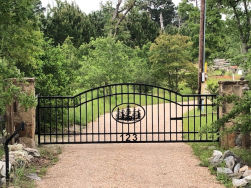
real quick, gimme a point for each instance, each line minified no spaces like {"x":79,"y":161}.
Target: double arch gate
{"x":126,"y":113}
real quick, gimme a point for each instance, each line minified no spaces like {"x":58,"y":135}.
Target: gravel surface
{"x":131,"y":164}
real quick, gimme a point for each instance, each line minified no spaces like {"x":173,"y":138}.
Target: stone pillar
{"x":15,"y":114}
{"x":229,"y":88}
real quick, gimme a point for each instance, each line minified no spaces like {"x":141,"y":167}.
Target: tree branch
{"x":248,"y":20}
{"x":123,"y":17}
{"x":238,"y":22}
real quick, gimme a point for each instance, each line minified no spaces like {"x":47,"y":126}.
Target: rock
{"x":230,"y":162}
{"x":239,"y":182}
{"x":238,"y":140}
{"x":16,"y":147}
{"x":237,"y":168}
{"x":221,"y":170}
{"x":237,"y":175}
{"x":217,"y":153}
{"x":216,"y":160}
{"x":227,"y":154}
{"x":244,"y":168}
{"x":3,"y":169}
{"x":247,"y":173}
{"x":33,"y":176}
{"x":3,"y":180}
{"x":248,"y":179}
{"x":32,"y":152}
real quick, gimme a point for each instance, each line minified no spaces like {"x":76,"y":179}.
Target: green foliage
{"x":238,"y":15}
{"x":108,"y":61}
{"x":155,"y":8}
{"x":170,"y":58}
{"x":190,"y":24}
{"x":65,"y":20}
{"x":20,"y":48}
{"x":142,"y":29}
{"x":240,"y":115}
{"x":212,"y":86}
{"x":59,"y":72}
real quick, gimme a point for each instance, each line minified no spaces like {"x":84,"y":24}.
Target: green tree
{"x":171,"y":60}
{"x":240,"y":11}
{"x":189,"y":16}
{"x":59,"y":73}
{"x":142,"y":29}
{"x":65,"y":20}
{"x":107,"y":61}
{"x":156,"y":8}
{"x":20,"y":47}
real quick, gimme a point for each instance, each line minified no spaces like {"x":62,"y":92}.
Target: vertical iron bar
{"x":62,"y":101}
{"x":158,"y":114}
{"x":44,"y":121}
{"x":56,"y":120}
{"x":86,"y":120}
{"x":104,"y":112}
{"x":218,"y":116}
{"x":188,"y":119}
{"x":68,"y":114}
{"x":170,"y":114}
{"x":176,"y":113}
{"x":182,"y":111}
{"x":152,"y":113}
{"x":206,"y":119}
{"x":146,"y":111}
{"x":116,"y":101}
{"x":201,"y":107}
{"x":38,"y":120}
{"x":50,"y":118}
{"x":110,"y":113}
{"x":140,"y":105}
{"x":212,"y":116}
{"x":74,"y":111}
{"x":80,"y":117}
{"x":92,"y":114}
{"x":98,"y":115}
{"x":128,"y":101}
{"x":122,"y":96}
{"x":194,"y":118}
{"x":134,"y":100}
{"x":164,"y":115}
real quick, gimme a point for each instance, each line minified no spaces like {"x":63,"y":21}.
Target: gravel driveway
{"x":128,"y":165}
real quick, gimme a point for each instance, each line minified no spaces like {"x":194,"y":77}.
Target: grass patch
{"x":205,"y":150}
{"x":199,"y":124}
{"x":49,"y":156}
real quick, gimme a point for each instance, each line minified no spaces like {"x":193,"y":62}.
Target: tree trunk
{"x":161,"y":22}
{"x":244,"y":48}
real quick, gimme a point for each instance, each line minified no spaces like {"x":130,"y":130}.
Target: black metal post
{"x":6,"y":149}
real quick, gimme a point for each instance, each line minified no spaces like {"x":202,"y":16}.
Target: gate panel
{"x":126,"y":113}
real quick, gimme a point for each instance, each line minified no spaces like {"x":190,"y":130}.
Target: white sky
{"x":88,"y":6}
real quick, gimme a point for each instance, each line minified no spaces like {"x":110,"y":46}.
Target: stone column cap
{"x":231,"y":82}
{"x":27,"y":79}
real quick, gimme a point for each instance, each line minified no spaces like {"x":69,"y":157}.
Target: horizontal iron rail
{"x":120,"y":142}
{"x":145,"y":133}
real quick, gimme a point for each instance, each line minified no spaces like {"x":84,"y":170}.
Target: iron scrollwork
{"x":133,"y":113}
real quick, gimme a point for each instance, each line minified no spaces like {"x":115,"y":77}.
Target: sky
{"x":88,"y":6}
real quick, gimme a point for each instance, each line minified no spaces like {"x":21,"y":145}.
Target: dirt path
{"x":129,"y":165}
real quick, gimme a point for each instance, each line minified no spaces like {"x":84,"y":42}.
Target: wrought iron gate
{"x":129,"y":113}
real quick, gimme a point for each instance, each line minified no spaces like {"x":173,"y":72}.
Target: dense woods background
{"x":141,"y":41}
